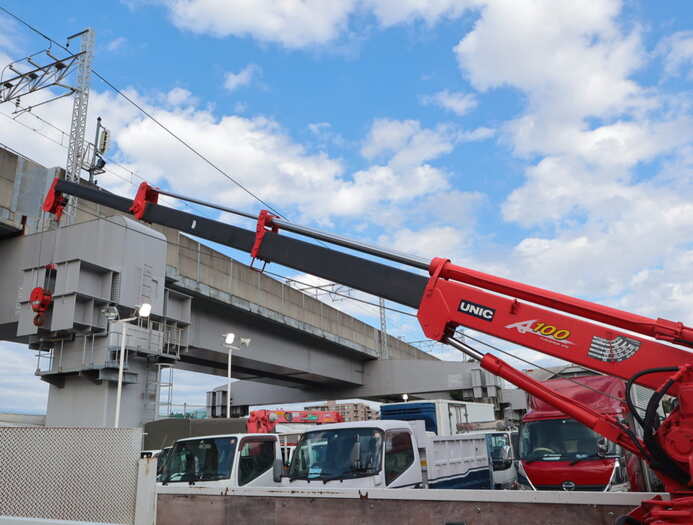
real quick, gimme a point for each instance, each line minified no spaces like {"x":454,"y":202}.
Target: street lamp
{"x":228,"y":343}
{"x":405,"y":397}
{"x":111,"y":313}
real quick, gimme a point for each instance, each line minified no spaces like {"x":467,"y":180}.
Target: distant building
{"x":349,"y":411}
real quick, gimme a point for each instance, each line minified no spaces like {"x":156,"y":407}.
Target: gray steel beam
{"x":381,"y":379}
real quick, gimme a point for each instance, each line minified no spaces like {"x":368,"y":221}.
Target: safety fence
{"x":80,"y":474}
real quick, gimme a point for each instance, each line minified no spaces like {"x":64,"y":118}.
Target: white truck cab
{"x":225,"y":461}
{"x":387,"y":454}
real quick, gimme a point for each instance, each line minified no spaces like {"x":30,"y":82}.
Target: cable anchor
{"x":264,"y":224}
{"x":145,"y":195}
{"x":55,"y":201}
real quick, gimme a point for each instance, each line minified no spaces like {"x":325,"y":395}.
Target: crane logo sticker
{"x":613,"y":350}
{"x":548,"y":332}
{"x":477,"y":310}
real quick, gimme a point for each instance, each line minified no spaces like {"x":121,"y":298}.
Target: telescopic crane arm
{"x":577,"y":331}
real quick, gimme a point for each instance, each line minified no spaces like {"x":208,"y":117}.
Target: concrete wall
{"x":22,"y":420}
{"x":186,"y":509}
{"x":210,"y":272}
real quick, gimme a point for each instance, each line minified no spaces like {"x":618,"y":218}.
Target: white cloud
{"x":458,"y":103}
{"x":292,"y":23}
{"x":678,"y":53}
{"x":255,"y":151}
{"x":481,"y":133}
{"x":325,"y":134}
{"x":179,"y":96}
{"x":304,"y":23}
{"x":316,"y":128}
{"x":590,"y":125}
{"x":408,"y":140}
{"x":244,"y":77}
{"x":435,"y":241}
{"x":116,"y":43}
{"x":570,"y":62}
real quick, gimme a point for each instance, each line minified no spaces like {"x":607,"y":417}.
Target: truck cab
{"x":559,"y":453}
{"x":387,"y":454}
{"x":358,"y":454}
{"x":225,"y":461}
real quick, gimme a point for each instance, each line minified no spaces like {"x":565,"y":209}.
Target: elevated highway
{"x":299,"y":344}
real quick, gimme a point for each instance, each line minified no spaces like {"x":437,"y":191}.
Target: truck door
{"x":255,"y":461}
{"x":401,"y":469}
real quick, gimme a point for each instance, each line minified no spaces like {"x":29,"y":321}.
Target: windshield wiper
{"x":540,"y":458}
{"x":325,"y":479}
{"x":591,"y":456}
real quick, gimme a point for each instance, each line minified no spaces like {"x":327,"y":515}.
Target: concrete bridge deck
{"x":103,"y":258}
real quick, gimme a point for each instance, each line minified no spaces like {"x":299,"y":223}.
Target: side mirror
{"x":277,"y":470}
{"x":602,"y":447}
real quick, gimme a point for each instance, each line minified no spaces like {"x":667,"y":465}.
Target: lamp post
{"x":143,"y":310}
{"x":405,"y":397}
{"x":228,"y":343}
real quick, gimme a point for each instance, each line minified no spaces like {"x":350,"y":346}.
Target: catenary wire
{"x":112,"y":162}
{"x":151,"y":117}
{"x":222,"y":172}
{"x":395,"y":310}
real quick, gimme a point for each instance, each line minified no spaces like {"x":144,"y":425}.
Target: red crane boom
{"x":571,"y":329}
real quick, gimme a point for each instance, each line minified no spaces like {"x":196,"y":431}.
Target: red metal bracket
{"x":145,"y":194}
{"x":264,"y":224}
{"x":40,"y":300}
{"x":678,"y":510}
{"x":55,"y":201}
{"x":433,"y":316}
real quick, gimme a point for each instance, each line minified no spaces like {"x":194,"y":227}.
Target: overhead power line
{"x":152,"y":118}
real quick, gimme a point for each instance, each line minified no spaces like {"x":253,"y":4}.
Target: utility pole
{"x":383,"y":330}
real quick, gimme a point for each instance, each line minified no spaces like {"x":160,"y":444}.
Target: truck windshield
{"x":337,"y":454}
{"x":206,"y":459}
{"x":557,"y":440}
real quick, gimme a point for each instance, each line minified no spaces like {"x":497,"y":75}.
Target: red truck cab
{"x":558,"y":453}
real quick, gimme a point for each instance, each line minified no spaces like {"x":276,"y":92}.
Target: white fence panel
{"x":81,"y":474}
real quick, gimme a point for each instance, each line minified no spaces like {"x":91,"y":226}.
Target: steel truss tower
{"x":76,"y":148}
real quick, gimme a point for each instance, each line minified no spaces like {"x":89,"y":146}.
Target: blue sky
{"x":532,"y":139}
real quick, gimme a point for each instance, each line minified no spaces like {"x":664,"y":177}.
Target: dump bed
{"x":457,"y":462}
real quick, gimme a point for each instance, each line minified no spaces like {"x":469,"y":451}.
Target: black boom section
{"x":372,"y":277}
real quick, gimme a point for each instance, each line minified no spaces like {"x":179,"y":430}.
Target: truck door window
{"x":256,"y":457}
{"x":500,"y":451}
{"x":399,"y":454}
